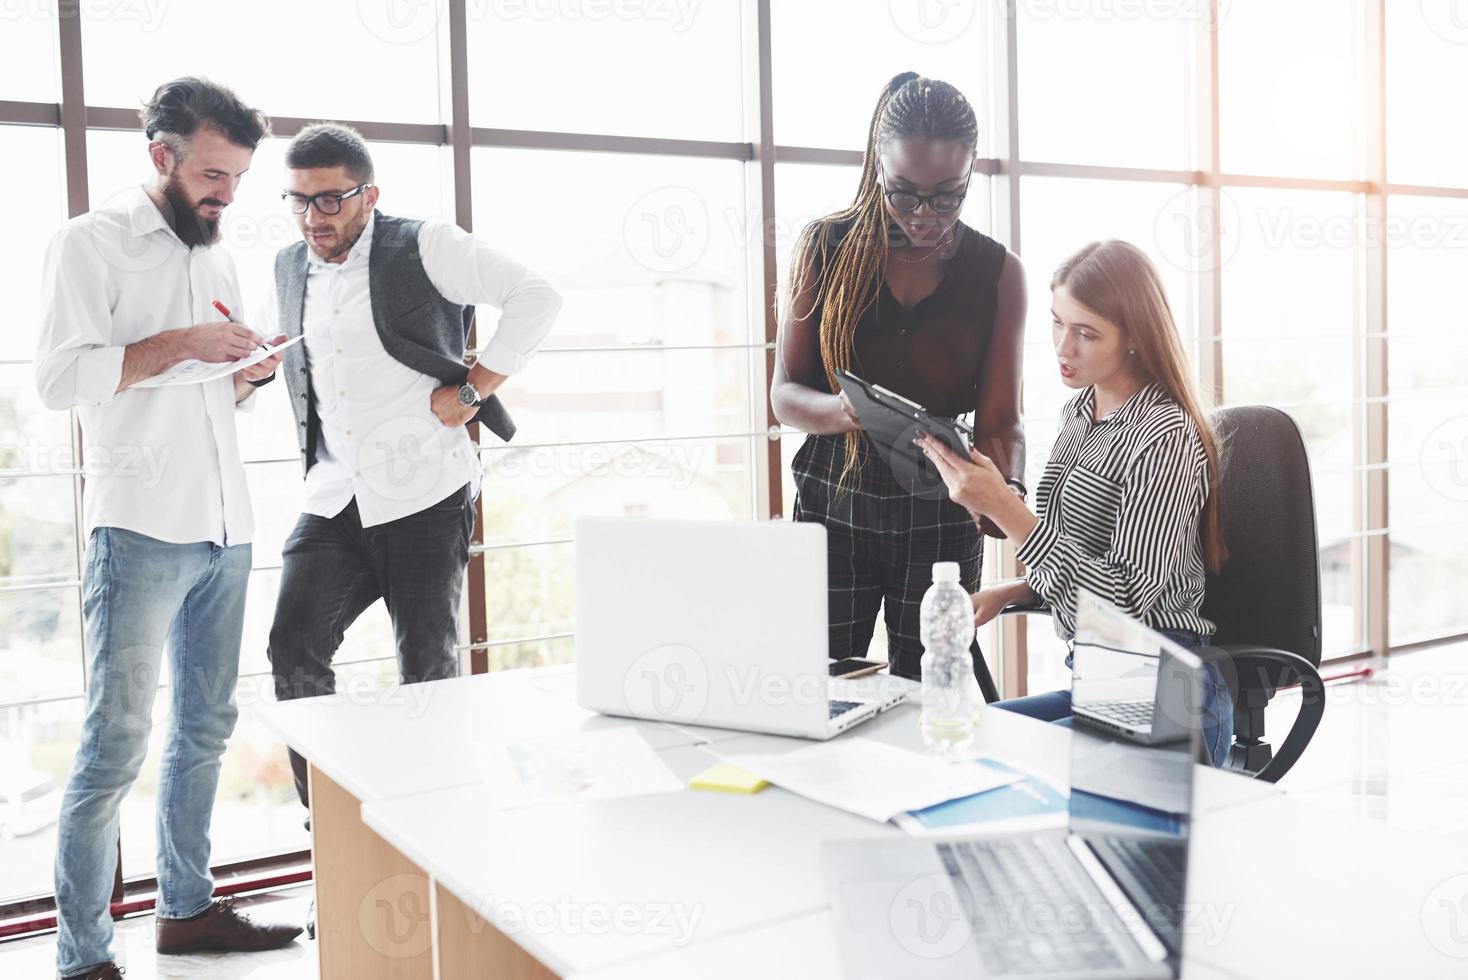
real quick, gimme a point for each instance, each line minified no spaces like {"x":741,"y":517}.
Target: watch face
{"x":468,"y":396}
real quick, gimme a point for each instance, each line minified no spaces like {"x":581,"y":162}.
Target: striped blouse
{"x":1119,"y":506}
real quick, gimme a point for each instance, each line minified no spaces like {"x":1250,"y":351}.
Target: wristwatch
{"x":468,"y":395}
{"x":1019,"y":488}
{"x":262,"y":382}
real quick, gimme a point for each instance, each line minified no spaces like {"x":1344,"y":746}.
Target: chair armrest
{"x":1016,"y":609}
{"x":1239,"y":661}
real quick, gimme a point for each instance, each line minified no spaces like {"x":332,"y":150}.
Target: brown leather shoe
{"x":102,"y":971}
{"x":221,"y":928}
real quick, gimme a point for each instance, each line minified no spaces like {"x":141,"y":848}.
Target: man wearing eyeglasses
{"x":381,"y":396}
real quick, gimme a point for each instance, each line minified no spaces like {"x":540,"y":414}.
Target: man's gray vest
{"x":416,"y":325}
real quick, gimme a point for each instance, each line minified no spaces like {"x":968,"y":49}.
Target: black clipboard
{"x":892,"y":422}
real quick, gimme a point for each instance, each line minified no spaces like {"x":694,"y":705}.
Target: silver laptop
{"x":1100,"y":898}
{"x":717,"y":623}
{"x":1127,"y":690}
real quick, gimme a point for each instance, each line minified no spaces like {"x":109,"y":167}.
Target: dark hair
{"x":909,"y":107}
{"x":178,"y":108}
{"x":331,"y":145}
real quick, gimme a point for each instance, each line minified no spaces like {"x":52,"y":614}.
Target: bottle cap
{"x":945,"y":571}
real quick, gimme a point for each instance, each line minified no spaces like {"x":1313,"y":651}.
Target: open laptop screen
{"x":1135,"y":698}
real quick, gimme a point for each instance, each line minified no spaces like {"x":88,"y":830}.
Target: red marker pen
{"x":230,"y":317}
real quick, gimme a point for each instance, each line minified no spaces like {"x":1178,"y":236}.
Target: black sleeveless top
{"x":933,"y":353}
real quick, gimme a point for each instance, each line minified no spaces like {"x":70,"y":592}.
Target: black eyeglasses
{"x":944,"y":202}
{"x":327,"y":202}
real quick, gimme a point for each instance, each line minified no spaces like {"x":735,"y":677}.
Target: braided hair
{"x":909,"y":107}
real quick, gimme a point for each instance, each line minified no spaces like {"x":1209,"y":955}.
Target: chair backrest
{"x":1268,"y":594}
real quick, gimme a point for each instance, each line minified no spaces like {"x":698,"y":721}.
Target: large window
{"x":1310,"y":251}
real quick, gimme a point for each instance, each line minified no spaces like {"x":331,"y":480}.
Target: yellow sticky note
{"x":728,"y":779}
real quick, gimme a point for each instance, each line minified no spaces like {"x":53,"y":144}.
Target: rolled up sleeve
{"x":467,"y":270}
{"x":76,"y":361}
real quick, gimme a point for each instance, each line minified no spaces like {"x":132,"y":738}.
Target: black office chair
{"x":1266,"y":601}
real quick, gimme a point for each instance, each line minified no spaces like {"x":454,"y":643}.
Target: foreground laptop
{"x":717,"y":623}
{"x":1102,"y":897}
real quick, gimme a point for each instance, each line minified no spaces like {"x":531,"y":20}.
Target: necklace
{"x":947,"y":240}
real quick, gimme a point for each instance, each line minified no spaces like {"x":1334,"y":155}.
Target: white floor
{"x":1390,"y":749}
{"x":35,"y":958}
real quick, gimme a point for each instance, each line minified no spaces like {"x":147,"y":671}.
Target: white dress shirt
{"x":379,"y":440}
{"x":163,"y":461}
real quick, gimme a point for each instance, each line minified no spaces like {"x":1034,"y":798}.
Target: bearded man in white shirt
{"x":382,"y":393}
{"x":128,"y":293}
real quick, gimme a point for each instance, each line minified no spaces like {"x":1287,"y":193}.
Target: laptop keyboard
{"x":1158,"y":873}
{"x":1135,"y":714}
{"x":841,"y":707}
{"x":1158,"y":867}
{"x":1017,"y":893}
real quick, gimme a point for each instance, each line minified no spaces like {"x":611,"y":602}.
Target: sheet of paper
{"x":582,"y":765}
{"x":197,"y":372}
{"x":1027,"y":804}
{"x":870,"y":778}
{"x":1155,"y":777}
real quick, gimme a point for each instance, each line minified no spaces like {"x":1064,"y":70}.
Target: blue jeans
{"x":1218,"y":703}
{"x":140,"y":595}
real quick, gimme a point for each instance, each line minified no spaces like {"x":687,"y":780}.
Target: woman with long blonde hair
{"x":1127,"y":507}
{"x":899,"y":291}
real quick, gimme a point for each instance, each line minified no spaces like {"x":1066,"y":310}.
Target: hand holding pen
{"x":255,"y":372}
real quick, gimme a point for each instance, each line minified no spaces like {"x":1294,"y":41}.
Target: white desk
{"x":421,"y":737}
{"x":372,"y":904}
{"x":709,"y":884}
{"x":802,"y":948}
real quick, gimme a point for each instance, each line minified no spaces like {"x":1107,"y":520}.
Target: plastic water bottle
{"x":951,"y":698}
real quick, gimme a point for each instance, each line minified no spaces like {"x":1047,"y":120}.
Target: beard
{"x":346,"y":239}
{"x":183,"y":215}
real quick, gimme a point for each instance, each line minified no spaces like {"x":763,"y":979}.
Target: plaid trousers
{"x":881,"y":543}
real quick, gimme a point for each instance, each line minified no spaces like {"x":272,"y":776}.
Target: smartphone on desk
{"x":855,"y":667}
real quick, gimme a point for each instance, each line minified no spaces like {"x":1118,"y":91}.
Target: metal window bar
{"x":74,"y":117}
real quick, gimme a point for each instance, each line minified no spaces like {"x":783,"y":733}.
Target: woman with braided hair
{"x":896,"y":289}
